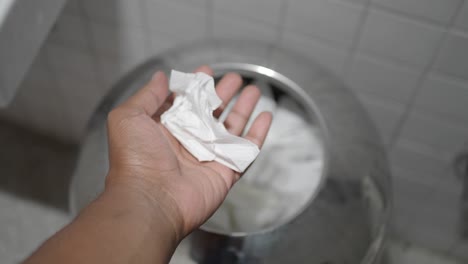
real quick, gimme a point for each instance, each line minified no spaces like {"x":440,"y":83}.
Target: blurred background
{"x":406,"y":61}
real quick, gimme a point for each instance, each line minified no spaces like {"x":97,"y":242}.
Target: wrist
{"x":148,"y":200}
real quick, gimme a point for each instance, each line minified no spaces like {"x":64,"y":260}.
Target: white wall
{"x":407,"y":60}
{"x":23,"y":27}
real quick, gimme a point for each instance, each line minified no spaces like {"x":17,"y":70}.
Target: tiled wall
{"x":407,"y":60}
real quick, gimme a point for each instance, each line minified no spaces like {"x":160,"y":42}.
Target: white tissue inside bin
{"x":190,"y":120}
{"x":284,"y":176}
{"x":266,"y":103}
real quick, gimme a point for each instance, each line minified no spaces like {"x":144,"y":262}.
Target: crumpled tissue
{"x":190,"y":120}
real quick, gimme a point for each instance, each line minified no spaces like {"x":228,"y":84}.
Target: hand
{"x":147,"y":160}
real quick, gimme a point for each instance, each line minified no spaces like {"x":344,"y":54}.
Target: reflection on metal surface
{"x":345,"y":222}
{"x":461,"y":169}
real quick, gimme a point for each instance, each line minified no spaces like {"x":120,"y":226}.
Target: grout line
{"x":356,"y":40}
{"x":145,"y":22}
{"x":87,"y":21}
{"x":145,"y":26}
{"x":238,"y":16}
{"x":412,"y":18}
{"x":83,"y":18}
{"x":210,"y":9}
{"x":459,"y":31}
{"x":337,"y":45}
{"x":280,"y":28}
{"x":65,"y":112}
{"x":412,"y":98}
{"x":450,"y":78}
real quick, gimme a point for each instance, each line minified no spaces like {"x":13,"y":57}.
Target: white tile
{"x":383,"y":79}
{"x":73,"y":7}
{"x":446,"y":97}
{"x":186,"y":22}
{"x":408,"y":195}
{"x":47,"y":97}
{"x":39,"y":73}
{"x":385,"y":114}
{"x":238,"y":51}
{"x":235,"y":27}
{"x":110,"y":70}
{"x":420,"y":167}
{"x":78,"y":92}
{"x":448,"y":200}
{"x":70,"y":30}
{"x":330,"y":20}
{"x":360,"y":2}
{"x":434,"y":10}
{"x":395,"y":37}
{"x":431,"y":221}
{"x":159,"y":43}
{"x":436,"y":225}
{"x":119,"y":42}
{"x":37,"y":80}
{"x":450,"y":185}
{"x":329,"y":56}
{"x":117,"y":12}
{"x":401,"y":252}
{"x":436,"y":136}
{"x":267,"y":11}
{"x":462,"y":19}
{"x":199,"y":3}
{"x":81,"y":99}
{"x":460,"y":250}
{"x":28,"y":223}
{"x":453,"y":58}
{"x":400,"y":222}
{"x":42,"y":101}
{"x":72,"y":61}
{"x":432,"y":238}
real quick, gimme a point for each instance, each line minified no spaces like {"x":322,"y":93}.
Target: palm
{"x":200,"y":186}
{"x":145,"y":148}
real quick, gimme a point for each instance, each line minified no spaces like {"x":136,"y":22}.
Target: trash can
{"x":346,"y":215}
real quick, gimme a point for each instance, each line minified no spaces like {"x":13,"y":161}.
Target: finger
{"x":226,"y":89}
{"x":163,"y":108}
{"x":259,"y":129}
{"x":205,"y":69}
{"x":240,"y":113}
{"x":151,"y":96}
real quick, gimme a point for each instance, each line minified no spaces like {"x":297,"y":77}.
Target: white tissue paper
{"x":190,"y":119}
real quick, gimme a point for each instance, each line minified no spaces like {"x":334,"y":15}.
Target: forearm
{"x":118,"y":227}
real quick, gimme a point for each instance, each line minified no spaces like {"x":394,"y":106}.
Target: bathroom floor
{"x":35,"y":173}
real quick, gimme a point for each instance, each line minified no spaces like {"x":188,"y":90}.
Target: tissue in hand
{"x":191,"y":121}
